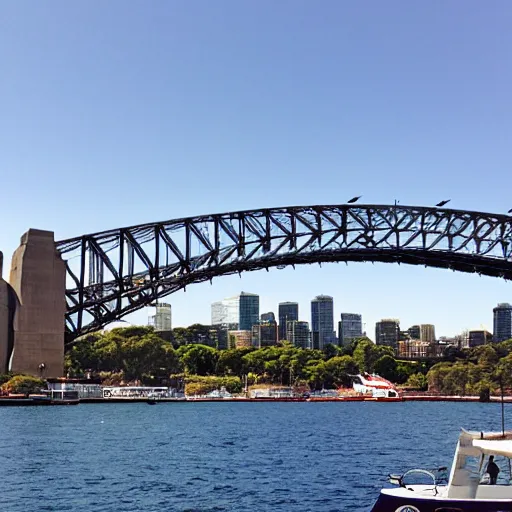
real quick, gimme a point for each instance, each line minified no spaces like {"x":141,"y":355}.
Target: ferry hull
{"x":31,"y":402}
{"x":388,"y":503}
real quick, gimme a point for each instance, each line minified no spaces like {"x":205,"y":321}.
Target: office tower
{"x":502,"y":322}
{"x":242,"y":311}
{"x":249,"y":310}
{"x":414,"y":332}
{"x":322,"y":321}
{"x":427,"y":333}
{"x":350,"y":327}
{"x":298,"y":333}
{"x":218,"y":310}
{"x":162,"y":319}
{"x":264,"y":334}
{"x":387,"y":332}
{"x":268,"y":317}
{"x":479,"y":337}
{"x":288,"y":311}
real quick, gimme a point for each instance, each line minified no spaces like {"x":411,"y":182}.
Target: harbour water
{"x":321,"y":457}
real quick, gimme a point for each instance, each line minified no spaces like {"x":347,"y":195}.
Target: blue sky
{"x":117,"y":113}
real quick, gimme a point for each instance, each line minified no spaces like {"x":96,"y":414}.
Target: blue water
{"x":318,"y":457}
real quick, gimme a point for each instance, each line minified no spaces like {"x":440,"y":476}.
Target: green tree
{"x":404,"y":369}
{"x":339,"y":369}
{"x":502,"y":374}
{"x":315,"y":373}
{"x":367,"y":353}
{"x":436,"y":376}
{"x":332,"y":350}
{"x":386,"y":366}
{"x":417,"y":381}
{"x":231,"y":362}
{"x":198,"y":359}
{"x":24,"y":384}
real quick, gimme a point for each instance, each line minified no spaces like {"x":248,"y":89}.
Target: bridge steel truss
{"x":116,"y":272}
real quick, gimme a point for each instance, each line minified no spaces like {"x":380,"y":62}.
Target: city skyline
{"x":370,"y":333}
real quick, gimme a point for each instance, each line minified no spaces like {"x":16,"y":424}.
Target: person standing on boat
{"x":493,"y":470}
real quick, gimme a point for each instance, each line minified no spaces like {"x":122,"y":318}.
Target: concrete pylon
{"x":38,"y":276}
{"x":7,"y":308}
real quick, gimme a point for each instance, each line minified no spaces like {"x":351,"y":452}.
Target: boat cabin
{"x":469,"y":478}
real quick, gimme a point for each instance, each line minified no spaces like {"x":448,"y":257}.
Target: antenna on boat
{"x":502,"y":407}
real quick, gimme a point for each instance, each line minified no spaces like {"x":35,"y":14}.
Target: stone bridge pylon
{"x":33,"y":308}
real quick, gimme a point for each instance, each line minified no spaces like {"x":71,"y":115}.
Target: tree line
{"x":138,"y":353}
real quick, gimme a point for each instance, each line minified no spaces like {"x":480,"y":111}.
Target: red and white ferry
{"x":376,"y":386}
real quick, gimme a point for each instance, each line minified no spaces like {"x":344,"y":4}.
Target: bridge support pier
{"x":38,"y":276}
{"x":7,"y":305}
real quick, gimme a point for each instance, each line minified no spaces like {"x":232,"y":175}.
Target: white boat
{"x":468,"y":487}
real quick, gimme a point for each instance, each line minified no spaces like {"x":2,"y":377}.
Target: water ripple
{"x":204,"y":457}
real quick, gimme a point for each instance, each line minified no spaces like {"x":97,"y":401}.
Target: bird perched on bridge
{"x":442,"y":203}
{"x":510,"y":211}
{"x":354,"y":199}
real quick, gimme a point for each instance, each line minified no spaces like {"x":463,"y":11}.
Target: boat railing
{"x":439,"y":476}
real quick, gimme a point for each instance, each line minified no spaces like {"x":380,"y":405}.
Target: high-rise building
{"x":350,"y":327}
{"x":249,"y":310}
{"x":298,"y":333}
{"x":387,"y":332}
{"x":427,"y":333}
{"x":226,"y":312}
{"x":423,"y":332}
{"x":502,"y":322}
{"x":236,"y":313}
{"x":264,"y":334}
{"x":322,"y":321}
{"x":288,"y":311}
{"x":479,"y":337}
{"x":268,"y":317}
{"x":162,"y":319}
{"x":414,"y":332}
{"x":241,"y":310}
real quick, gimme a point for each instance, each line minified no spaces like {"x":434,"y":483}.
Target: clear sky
{"x":117,"y":113}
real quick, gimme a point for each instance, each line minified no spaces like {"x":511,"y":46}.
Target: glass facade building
{"x":387,"y":332}
{"x":264,"y":334}
{"x":414,"y":332}
{"x":288,"y":311}
{"x":268,"y":317}
{"x":298,"y":333}
{"x":349,"y":327}
{"x":322,"y":321}
{"x":162,"y":319}
{"x":242,"y":311}
{"x":502,"y":322}
{"x":249,"y":310}
{"x":479,"y":337}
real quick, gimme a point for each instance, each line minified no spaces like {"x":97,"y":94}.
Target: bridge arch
{"x":113,"y":273}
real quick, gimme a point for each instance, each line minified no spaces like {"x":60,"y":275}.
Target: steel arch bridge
{"x":116,"y":272}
